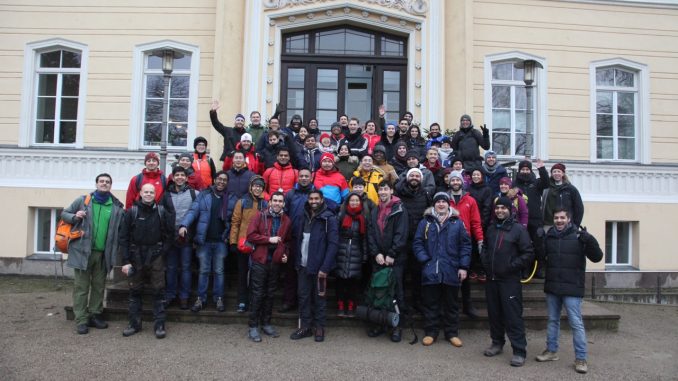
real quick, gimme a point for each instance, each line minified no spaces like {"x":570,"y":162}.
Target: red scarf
{"x":354,"y":214}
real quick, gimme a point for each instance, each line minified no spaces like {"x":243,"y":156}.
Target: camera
{"x":377,"y":316}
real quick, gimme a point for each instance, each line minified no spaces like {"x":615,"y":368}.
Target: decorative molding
{"x":415,"y":7}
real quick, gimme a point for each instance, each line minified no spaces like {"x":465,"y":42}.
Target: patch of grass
{"x":17,"y":284}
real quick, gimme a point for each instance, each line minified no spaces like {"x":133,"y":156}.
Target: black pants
{"x":243,"y":270}
{"x":440,"y":304}
{"x":505,"y":312}
{"x":414,"y":272}
{"x":312,"y":307}
{"x":289,"y":282}
{"x":153,"y":271}
{"x":263,"y":282}
{"x":347,"y":289}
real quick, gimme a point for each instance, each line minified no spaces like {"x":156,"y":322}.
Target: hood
{"x":429,"y":212}
{"x":252,"y":180}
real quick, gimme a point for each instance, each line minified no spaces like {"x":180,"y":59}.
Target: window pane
{"x":524,"y":144}
{"x":179,"y":86}
{"x":47,"y":84}
{"x":604,"y":125}
{"x":295,"y":78}
{"x":153,"y":110}
{"x":605,"y":77}
{"x":604,"y":102}
{"x":330,"y":41}
{"x":625,"y":126}
{"x":392,"y":103}
{"x":327,"y":99}
{"x":152,"y":133}
{"x":44,"y":132}
{"x":326,"y":118}
{"x":178,"y":110}
{"x":359,"y":42}
{"x":177,"y":134}
{"x":182,"y":63}
{"x":44,"y":231}
{"x":623,"y":232}
{"x":67,"y":132}
{"x":154,"y":62}
{"x":392,"y":116}
{"x":154,"y":86}
{"x":391,"y":81}
{"x":521,"y":97}
{"x":328,"y":78}
{"x":501,"y":120}
{"x":390,"y":47}
{"x":296,"y":44}
{"x":70,"y":59}
{"x":518,"y":74}
{"x":608,"y":242}
{"x":502,"y":70}
{"x":70,"y":85}
{"x":623,"y":78}
{"x":604,"y":148}
{"x":501,"y":144}
{"x":50,"y":59}
{"x":46,"y":108}
{"x":69,"y":108}
{"x":501,"y":96}
{"x":627,"y":148}
{"x":521,"y":121}
{"x":295,"y":99}
{"x":625,"y":103}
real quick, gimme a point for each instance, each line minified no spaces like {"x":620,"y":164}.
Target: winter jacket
{"x":280,"y":178}
{"x":441,"y":249}
{"x":259,"y":231}
{"x":399,"y":165}
{"x":469,"y":214}
{"x":181,"y":201}
{"x":390,"y":173}
{"x":200,"y":214}
{"x":485,"y":200}
{"x":566,"y":253}
{"x":347,"y":165}
{"x":323,"y":241}
{"x":80,"y":249}
{"x":309,"y":159}
{"x":419,"y":146}
{"x":372,"y":140}
{"x":533,"y":188}
{"x":203,"y":165}
{"x":254,"y":162}
{"x":372,"y":179}
{"x":507,"y":251}
{"x":332,"y":184}
{"x":415,"y":201}
{"x":357,"y":143}
{"x":256,"y":131}
{"x":146,"y":233}
{"x":295,"y":200}
{"x":427,"y":181}
{"x":239,"y":181}
{"x":157,"y":178}
{"x":438,"y":139}
{"x":392,"y":240}
{"x":193,"y":179}
{"x":492,"y":177}
{"x":564,"y":196}
{"x":269,"y":153}
{"x":245,"y":209}
{"x":518,"y":205}
{"x":352,"y":249}
{"x":466,"y":143}
{"x":231,"y":135}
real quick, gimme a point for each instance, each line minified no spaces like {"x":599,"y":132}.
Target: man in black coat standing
{"x":508,"y":251}
{"x":566,"y":248}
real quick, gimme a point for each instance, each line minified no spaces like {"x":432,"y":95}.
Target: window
{"x":45,"y":229}
{"x":619,"y":116}
{"x":618,"y":243}
{"x":54,"y":94}
{"x":327,"y":96}
{"x":148,"y":95}
{"x":515,"y":113}
{"x":295,"y":92}
{"x":345,"y":41}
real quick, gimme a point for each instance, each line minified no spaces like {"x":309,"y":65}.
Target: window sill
{"x":620,"y":268}
{"x":59,"y":257}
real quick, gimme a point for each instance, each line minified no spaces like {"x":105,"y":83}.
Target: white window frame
{"x":642,"y":86}
{"x":54,"y":213}
{"x":27,"y":118}
{"x":613,"y":245}
{"x":136,"y":132}
{"x":540,"y":148}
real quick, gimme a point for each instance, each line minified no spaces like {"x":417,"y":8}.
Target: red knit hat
{"x":560,"y":166}
{"x":151,"y":155}
{"x":324,"y":135}
{"x":327,"y":156}
{"x":506,"y":180}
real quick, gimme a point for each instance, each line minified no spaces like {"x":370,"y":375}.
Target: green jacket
{"x":80,"y":249}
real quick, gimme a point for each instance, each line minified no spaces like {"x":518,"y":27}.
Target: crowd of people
{"x":298,"y":205}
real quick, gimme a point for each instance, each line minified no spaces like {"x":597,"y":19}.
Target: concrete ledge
{"x":37,"y":266}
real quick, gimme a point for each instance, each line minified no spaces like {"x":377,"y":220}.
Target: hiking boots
{"x":197,"y":306}
{"x":547,"y":356}
{"x":580,"y":366}
{"x":82,"y":329}
{"x":301,"y":333}
{"x":517,"y":360}
{"x":160,"y":332}
{"x":97,"y":322}
{"x":396,"y":335}
{"x":254,"y":334}
{"x":493,"y":350}
{"x":220,"y":305}
{"x":319,"y":334}
{"x":130,"y":330}
{"x":270,"y":330}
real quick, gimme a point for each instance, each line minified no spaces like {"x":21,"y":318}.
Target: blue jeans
{"x":211,"y":256}
{"x":554,"y":304}
{"x":178,"y":256}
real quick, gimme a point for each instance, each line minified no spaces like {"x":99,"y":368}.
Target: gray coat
{"x":80,"y":249}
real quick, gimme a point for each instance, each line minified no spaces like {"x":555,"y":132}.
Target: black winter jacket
{"x":566,"y":253}
{"x":565,"y":196}
{"x":231,"y":135}
{"x":146,"y":232}
{"x":533,"y":188}
{"x":392,"y":241}
{"x":507,"y":250}
{"x":352,"y":250}
{"x":415,"y":202}
{"x":466,"y":143}
{"x":484,"y":198}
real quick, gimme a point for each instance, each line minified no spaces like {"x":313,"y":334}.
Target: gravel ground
{"x":38,"y":343}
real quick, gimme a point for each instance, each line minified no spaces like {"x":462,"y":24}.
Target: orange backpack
{"x":66,"y":232}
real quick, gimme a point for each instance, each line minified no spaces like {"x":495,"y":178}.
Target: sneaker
{"x":97,"y":322}
{"x":301,"y":333}
{"x":396,"y":335}
{"x":254,"y":334}
{"x":220,"y":305}
{"x":493,"y":350}
{"x":427,"y":340}
{"x":160,"y":332}
{"x":341,"y":311}
{"x":350,"y":311}
{"x":319,"y":335}
{"x":183,"y":304}
{"x":547,"y":356}
{"x":130,"y":330}
{"x":82,"y":329}
{"x":581,"y":366}
{"x":270,"y":330}
{"x":517,"y":360}
{"x":241,"y":308}
{"x":197,"y":306}
{"x":455,"y":341}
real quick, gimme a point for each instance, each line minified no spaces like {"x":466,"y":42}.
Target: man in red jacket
{"x":282,"y":176}
{"x":151,"y":174}
{"x":470,"y":216}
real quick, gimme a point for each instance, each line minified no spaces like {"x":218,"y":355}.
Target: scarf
{"x":101,"y":197}
{"x":441,"y":218}
{"x":489,"y":169}
{"x":384,"y":211}
{"x":354,"y":214}
{"x":224,"y":202}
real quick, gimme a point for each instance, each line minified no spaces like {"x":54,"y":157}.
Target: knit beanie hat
{"x":199,"y":140}
{"x":503,"y":200}
{"x":525,"y":164}
{"x":490,"y":153}
{"x":258,"y":181}
{"x":240,"y":116}
{"x":505,"y":180}
{"x":414,"y":170}
{"x":560,"y":166}
{"x":151,"y":155}
{"x":441,"y":196}
{"x":457,"y":174}
{"x":246,"y":137}
{"x":327,"y":156}
{"x":187,"y":155}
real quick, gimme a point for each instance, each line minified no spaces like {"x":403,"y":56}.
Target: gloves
{"x":584,"y":236}
{"x":483,"y":127}
{"x":279,"y":108}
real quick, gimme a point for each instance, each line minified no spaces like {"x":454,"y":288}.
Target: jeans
{"x":178,"y":256}
{"x":554,"y":304}
{"x":211,"y":256}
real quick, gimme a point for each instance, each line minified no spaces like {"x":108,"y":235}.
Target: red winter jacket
{"x":254,"y":162}
{"x":154,"y":178}
{"x":372,"y":140}
{"x":259,"y":231}
{"x":469,"y":215}
{"x":279,"y":177}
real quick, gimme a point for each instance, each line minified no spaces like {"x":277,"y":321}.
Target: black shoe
{"x":376,"y":331}
{"x":97,"y":322}
{"x":517,"y":360}
{"x":287,"y":308}
{"x":396,"y":335}
{"x":160,"y":332}
{"x":301,"y":333}
{"x":493,"y":350}
{"x":130,"y":330}
{"x":470,"y":311}
{"x":319,"y":335}
{"x":82,"y":329}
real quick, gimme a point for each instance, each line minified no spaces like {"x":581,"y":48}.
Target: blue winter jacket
{"x":442,"y":250}
{"x":324,"y":240}
{"x":200,"y":213}
{"x":239,"y":181}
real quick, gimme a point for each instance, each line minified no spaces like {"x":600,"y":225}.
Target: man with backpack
{"x":151,"y":174}
{"x":92,"y":256}
{"x":145,"y":237}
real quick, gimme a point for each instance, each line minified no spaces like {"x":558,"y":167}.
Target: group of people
{"x":296,"y":204}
